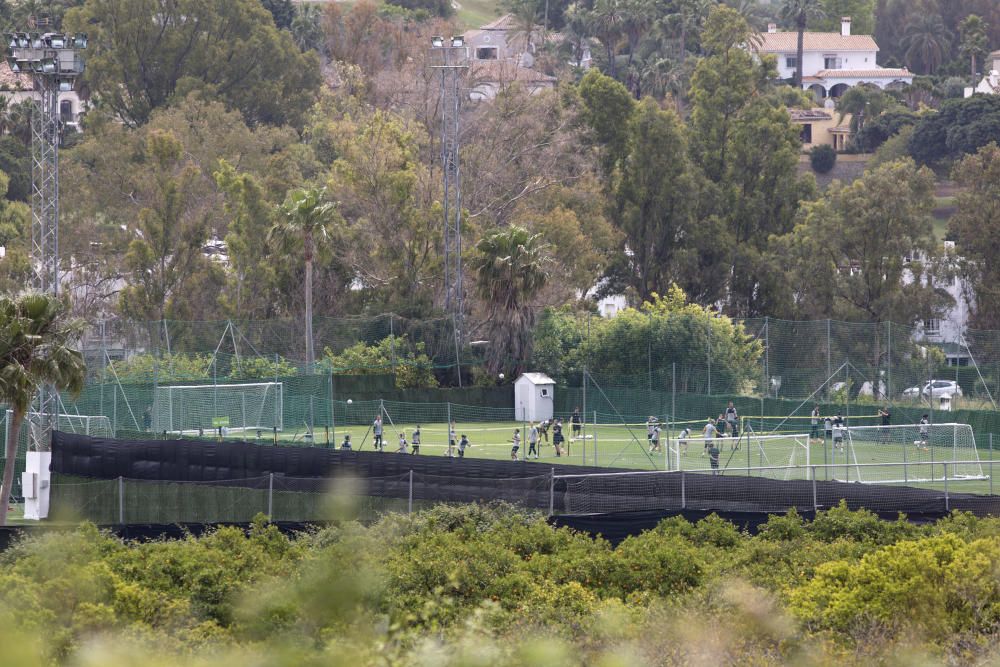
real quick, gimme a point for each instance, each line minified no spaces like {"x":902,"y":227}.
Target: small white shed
{"x":533,"y":397}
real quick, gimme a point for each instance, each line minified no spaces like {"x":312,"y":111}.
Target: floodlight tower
{"x":53,"y":63}
{"x":451,"y":58}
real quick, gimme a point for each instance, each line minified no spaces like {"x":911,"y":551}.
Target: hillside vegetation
{"x":498,"y":586}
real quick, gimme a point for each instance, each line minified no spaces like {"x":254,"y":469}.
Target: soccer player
{"x":415,"y":440}
{"x":720,"y":427}
{"x":828,"y":429}
{"x":575,"y":421}
{"x":650,"y":425}
{"x":463,"y":444}
{"x":838,"y":433}
{"x":709,"y":432}
{"x":557,"y":437}
{"x":733,"y":420}
{"x":346,"y":444}
{"x":377,"y":432}
{"x":543,"y":430}
{"x":925,"y":431}
{"x":886,"y":416}
{"x":402,"y":444}
{"x":517,"y":444}
{"x":654,"y":443}
{"x":682,"y":440}
{"x":533,"y":440}
{"x":451,"y":439}
{"x":814,"y":423}
{"x":713,"y":458}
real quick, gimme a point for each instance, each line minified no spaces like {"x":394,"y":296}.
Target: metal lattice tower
{"x":451,"y":59}
{"x":53,"y":63}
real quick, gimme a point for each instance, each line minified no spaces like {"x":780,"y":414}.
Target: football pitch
{"x":783,"y":456}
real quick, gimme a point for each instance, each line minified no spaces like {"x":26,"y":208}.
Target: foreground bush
{"x":496,"y":585}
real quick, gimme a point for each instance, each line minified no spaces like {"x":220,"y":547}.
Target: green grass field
{"x":621,"y":446}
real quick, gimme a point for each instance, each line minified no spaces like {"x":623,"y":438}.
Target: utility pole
{"x":52,"y":62}
{"x":451,"y":58}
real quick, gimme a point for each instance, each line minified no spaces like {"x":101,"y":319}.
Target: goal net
{"x":910,"y":453}
{"x":96,"y":425}
{"x":778,"y":456}
{"x":235,"y":407}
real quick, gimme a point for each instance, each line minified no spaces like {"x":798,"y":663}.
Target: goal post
{"x":95,"y":425}
{"x":909,"y":453}
{"x":203,"y":408}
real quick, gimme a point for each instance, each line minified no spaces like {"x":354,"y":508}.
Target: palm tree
{"x":926,"y":41}
{"x":305,"y":216}
{"x":974,"y":40}
{"x":798,"y":13}
{"x":510,"y":271}
{"x":606,"y":25}
{"x":522,"y":33}
{"x":35,"y":349}
{"x":688,"y":19}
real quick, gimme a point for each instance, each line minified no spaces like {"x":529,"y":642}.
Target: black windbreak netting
{"x":277,"y":480}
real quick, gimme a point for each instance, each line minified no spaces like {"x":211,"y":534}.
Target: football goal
{"x":203,"y":408}
{"x":910,"y":453}
{"x":96,"y":425}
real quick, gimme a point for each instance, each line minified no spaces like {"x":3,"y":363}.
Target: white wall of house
{"x":816,"y":61}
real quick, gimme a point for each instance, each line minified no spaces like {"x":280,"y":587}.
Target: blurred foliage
{"x":478,"y":585}
{"x":408,"y":361}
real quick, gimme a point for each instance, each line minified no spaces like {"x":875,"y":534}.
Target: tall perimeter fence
{"x":141,"y":374}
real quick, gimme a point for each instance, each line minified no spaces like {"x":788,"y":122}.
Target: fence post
{"x":683,"y":492}
{"x":595,"y":439}
{"x":552,"y":491}
{"x":947,"y":507}
{"x":409,"y":497}
{"x":815,"y":500}
{"x":906,"y":476}
{"x":270,"y":496}
{"x":121,"y":500}
{"x":991,"y":464}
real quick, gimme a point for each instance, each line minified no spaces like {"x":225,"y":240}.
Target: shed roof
{"x":536,"y":378}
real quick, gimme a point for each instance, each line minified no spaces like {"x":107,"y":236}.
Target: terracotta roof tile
{"x":802,"y":115}
{"x":506,"y":71}
{"x":505,"y":22}
{"x":787,"y":42}
{"x":10,"y":80}
{"x":874,"y":73}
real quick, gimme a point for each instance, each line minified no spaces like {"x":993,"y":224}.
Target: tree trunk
{"x":973,"y":70}
{"x":800,"y":52}
{"x":310,"y":355}
{"x":17,"y":418}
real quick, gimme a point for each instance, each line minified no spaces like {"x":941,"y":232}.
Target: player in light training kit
{"x":543,"y":430}
{"x":463,"y":444}
{"x":415,"y":440}
{"x":650,"y":425}
{"x":377,"y":432}
{"x":814,"y":423}
{"x":682,"y":440}
{"x":517,"y":444}
{"x":733,"y":420}
{"x":925,"y":431}
{"x":654,"y":442}
{"x":838,"y":433}
{"x":346,"y":444}
{"x":533,"y":440}
{"x":451,"y":440}
{"x":402,"y":444}
{"x":709,"y":432}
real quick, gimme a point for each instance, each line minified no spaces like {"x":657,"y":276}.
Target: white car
{"x":934,"y":388}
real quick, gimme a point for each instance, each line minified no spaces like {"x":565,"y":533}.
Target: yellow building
{"x":822,"y":127}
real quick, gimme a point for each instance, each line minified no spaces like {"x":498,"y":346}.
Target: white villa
{"x":17,"y":88}
{"x":832,"y":62}
{"x":990,"y":85}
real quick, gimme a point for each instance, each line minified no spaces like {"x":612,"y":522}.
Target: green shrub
{"x":822,"y":158}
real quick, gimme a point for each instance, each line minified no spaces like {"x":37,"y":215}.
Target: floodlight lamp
{"x":12,"y":40}
{"x":80,"y":40}
{"x":48,"y":65}
{"x":65,"y":85}
{"x":437,"y":42}
{"x":57,"y":41}
{"x":458,"y":40}
{"x":23,"y":41}
{"x":36,"y":66}
{"x":37,"y":41}
{"x":12,"y":64}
